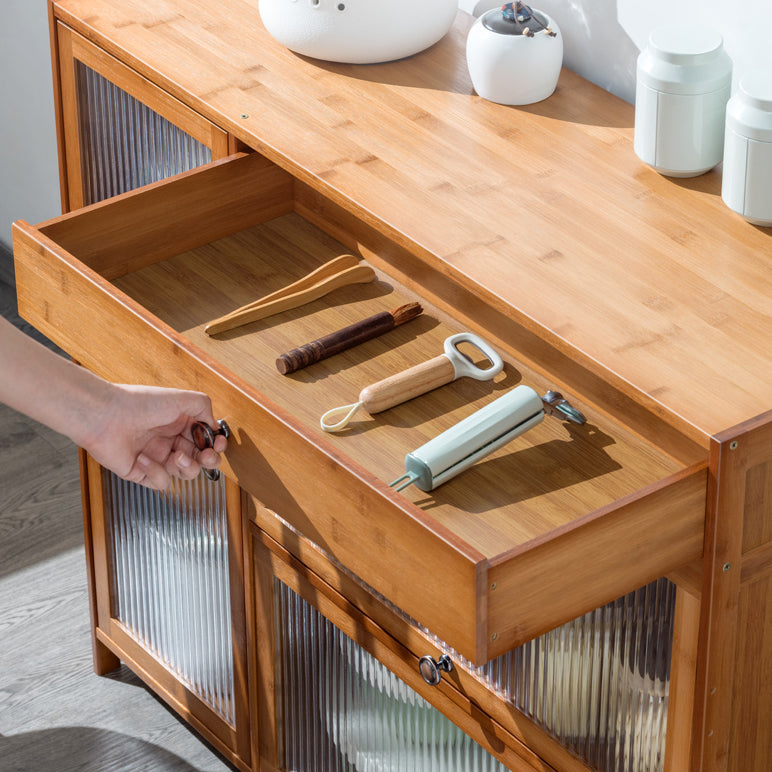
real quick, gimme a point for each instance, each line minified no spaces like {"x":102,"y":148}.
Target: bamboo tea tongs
{"x":339,"y":272}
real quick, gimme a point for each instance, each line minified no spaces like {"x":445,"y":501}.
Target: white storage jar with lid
{"x":684,"y":80}
{"x":747,"y":183}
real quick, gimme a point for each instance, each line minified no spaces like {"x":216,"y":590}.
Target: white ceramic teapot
{"x":515,"y":54}
{"x":358,"y":31}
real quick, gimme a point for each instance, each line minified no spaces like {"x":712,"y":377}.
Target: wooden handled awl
{"x":346,"y":338}
{"x":417,"y":380}
{"x":340,"y":272}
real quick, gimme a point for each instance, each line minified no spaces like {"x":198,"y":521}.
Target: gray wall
{"x":602,"y":39}
{"x":29,"y":172}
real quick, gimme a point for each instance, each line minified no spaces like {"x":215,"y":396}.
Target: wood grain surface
{"x":544,"y":210}
{"x":545,"y":479}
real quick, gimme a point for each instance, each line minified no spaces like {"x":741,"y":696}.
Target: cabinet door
{"x":165,"y":578}
{"x":333,"y":691}
{"x":169,"y":596}
{"x":610,"y":690}
{"x":117,"y":130}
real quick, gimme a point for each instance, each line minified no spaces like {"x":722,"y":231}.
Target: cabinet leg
{"x":104,"y":659}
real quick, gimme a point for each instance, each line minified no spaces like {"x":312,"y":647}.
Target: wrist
{"x":89,"y":408}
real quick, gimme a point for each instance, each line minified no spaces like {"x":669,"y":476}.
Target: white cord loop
{"x":347,"y":411}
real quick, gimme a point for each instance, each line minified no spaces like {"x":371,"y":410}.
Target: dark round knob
{"x":203,"y":438}
{"x":431,"y":670}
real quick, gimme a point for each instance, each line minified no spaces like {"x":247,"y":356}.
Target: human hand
{"x":143,"y":434}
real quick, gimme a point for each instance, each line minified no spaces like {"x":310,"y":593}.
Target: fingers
{"x":149,"y":473}
{"x":206,"y":457}
{"x":196,"y":405}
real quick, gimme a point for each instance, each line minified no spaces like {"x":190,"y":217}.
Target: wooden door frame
{"x":67,"y":48}
{"x":113,"y":643}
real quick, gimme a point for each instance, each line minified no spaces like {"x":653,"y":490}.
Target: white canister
{"x":684,"y":80}
{"x":510,"y":66}
{"x":747,"y":183}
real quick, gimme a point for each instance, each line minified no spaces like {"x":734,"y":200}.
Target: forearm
{"x":47,"y":387}
{"x":142,"y":433}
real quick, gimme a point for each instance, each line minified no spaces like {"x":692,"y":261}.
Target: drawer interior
{"x":551,"y":475}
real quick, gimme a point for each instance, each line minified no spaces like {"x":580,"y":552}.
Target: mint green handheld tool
{"x":473,"y":438}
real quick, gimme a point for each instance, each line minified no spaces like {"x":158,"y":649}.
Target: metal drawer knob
{"x":431,"y":670}
{"x":203,"y":437}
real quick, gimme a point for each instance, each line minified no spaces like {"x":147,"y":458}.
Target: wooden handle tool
{"x":418,"y":380}
{"x":340,"y":272}
{"x":346,"y":338}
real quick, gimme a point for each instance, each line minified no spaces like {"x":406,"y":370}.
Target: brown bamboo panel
{"x":757,"y":524}
{"x":683,"y":673}
{"x":723,"y":703}
{"x":414,"y":153}
{"x":751,"y":740}
{"x":196,"y":207}
{"x":582,"y":567}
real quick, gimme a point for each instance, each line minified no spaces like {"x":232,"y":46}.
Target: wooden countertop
{"x":543,"y":211}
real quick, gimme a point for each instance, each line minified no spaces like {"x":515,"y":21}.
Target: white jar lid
{"x":693,"y":45}
{"x":685,"y":60}
{"x":749,"y":111}
{"x":756,"y":89}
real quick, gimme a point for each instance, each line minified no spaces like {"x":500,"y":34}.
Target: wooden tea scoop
{"x":418,"y":380}
{"x":336,"y":273}
{"x":346,"y":338}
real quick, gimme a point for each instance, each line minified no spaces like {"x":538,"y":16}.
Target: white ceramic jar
{"x":512,"y":68}
{"x":684,"y":80}
{"x":747,"y":183}
{"x":358,"y":31}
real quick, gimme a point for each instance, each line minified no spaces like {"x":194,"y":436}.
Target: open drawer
{"x":557,"y":522}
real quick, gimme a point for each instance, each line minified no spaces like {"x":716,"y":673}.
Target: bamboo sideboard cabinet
{"x":590,"y":597}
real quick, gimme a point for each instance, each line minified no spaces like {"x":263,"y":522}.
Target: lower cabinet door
{"x":169,"y":598}
{"x":332,"y":691}
{"x":338,"y":677}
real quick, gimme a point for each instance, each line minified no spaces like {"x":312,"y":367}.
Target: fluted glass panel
{"x":125,"y":144}
{"x":341,"y":709}
{"x":170,"y":580}
{"x":599,"y":684}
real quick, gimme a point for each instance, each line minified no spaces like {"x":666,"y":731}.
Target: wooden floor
{"x":55,"y":714}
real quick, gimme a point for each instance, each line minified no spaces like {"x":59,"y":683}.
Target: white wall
{"x":29,"y":172}
{"x":602,"y":39}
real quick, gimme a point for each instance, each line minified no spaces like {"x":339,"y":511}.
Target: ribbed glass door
{"x":169,"y":551}
{"x":598,"y":684}
{"x":341,"y":709}
{"x":125,"y":144}
{"x":170,"y":583}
